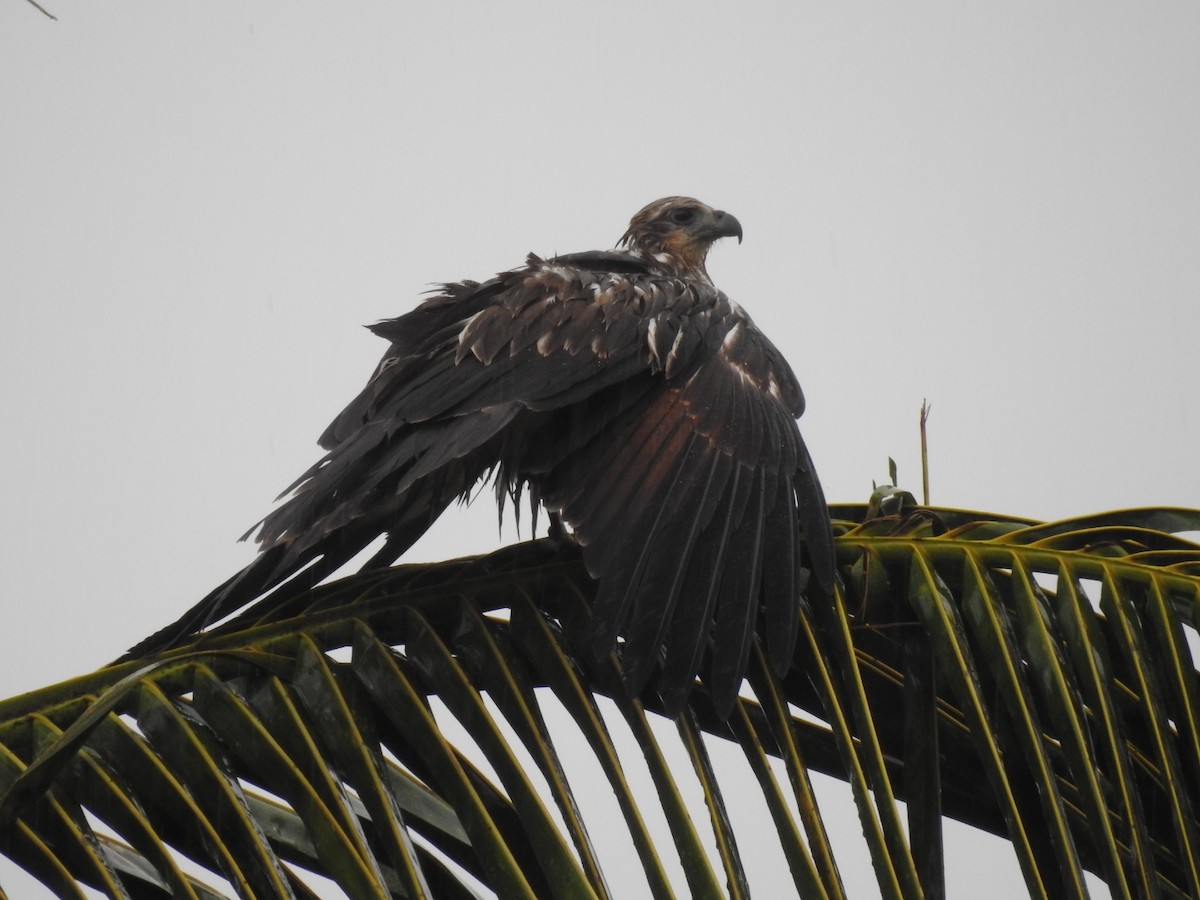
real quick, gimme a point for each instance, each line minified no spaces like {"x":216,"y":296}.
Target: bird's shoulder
{"x":748,"y":353}
{"x":602,"y":302}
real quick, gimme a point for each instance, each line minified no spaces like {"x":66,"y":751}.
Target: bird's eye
{"x":683,"y":216}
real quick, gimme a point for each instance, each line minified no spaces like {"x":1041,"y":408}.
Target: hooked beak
{"x":724,"y":225}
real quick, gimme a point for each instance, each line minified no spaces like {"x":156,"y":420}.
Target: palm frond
{"x":420,"y":732}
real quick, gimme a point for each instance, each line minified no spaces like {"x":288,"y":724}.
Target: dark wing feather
{"x":737,"y":602}
{"x":781,"y":576}
{"x":685,"y":635}
{"x":691,"y":502}
{"x":434,"y":323}
{"x":617,"y":261}
{"x":692,"y":622}
{"x":687,"y":508}
{"x":642,"y":475}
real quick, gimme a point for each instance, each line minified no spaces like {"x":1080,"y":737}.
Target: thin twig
{"x":925,"y":407}
{"x":42,"y":9}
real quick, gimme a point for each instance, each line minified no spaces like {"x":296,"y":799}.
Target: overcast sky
{"x":997,"y":209}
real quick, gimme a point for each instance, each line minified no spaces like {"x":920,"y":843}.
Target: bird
{"x":629,"y":397}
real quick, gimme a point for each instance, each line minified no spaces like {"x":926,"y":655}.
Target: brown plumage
{"x":630,"y":397}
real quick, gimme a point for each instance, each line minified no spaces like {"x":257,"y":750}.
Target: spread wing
{"x":643,"y":406}
{"x":688,"y":505}
{"x":476,"y":377}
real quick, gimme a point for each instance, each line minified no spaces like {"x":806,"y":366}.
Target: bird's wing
{"x":688,"y":500}
{"x":439,"y":411}
{"x":464,"y":366}
{"x":645,"y":407}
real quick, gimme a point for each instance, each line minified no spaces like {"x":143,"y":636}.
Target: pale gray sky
{"x":995,"y":208}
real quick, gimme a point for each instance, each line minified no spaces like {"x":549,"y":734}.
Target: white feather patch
{"x":736,"y":333}
{"x":673,"y":354}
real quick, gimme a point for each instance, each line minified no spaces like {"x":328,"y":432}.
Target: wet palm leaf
{"x":433,"y":731}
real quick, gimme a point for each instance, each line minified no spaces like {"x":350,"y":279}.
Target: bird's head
{"x":677,"y":232}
